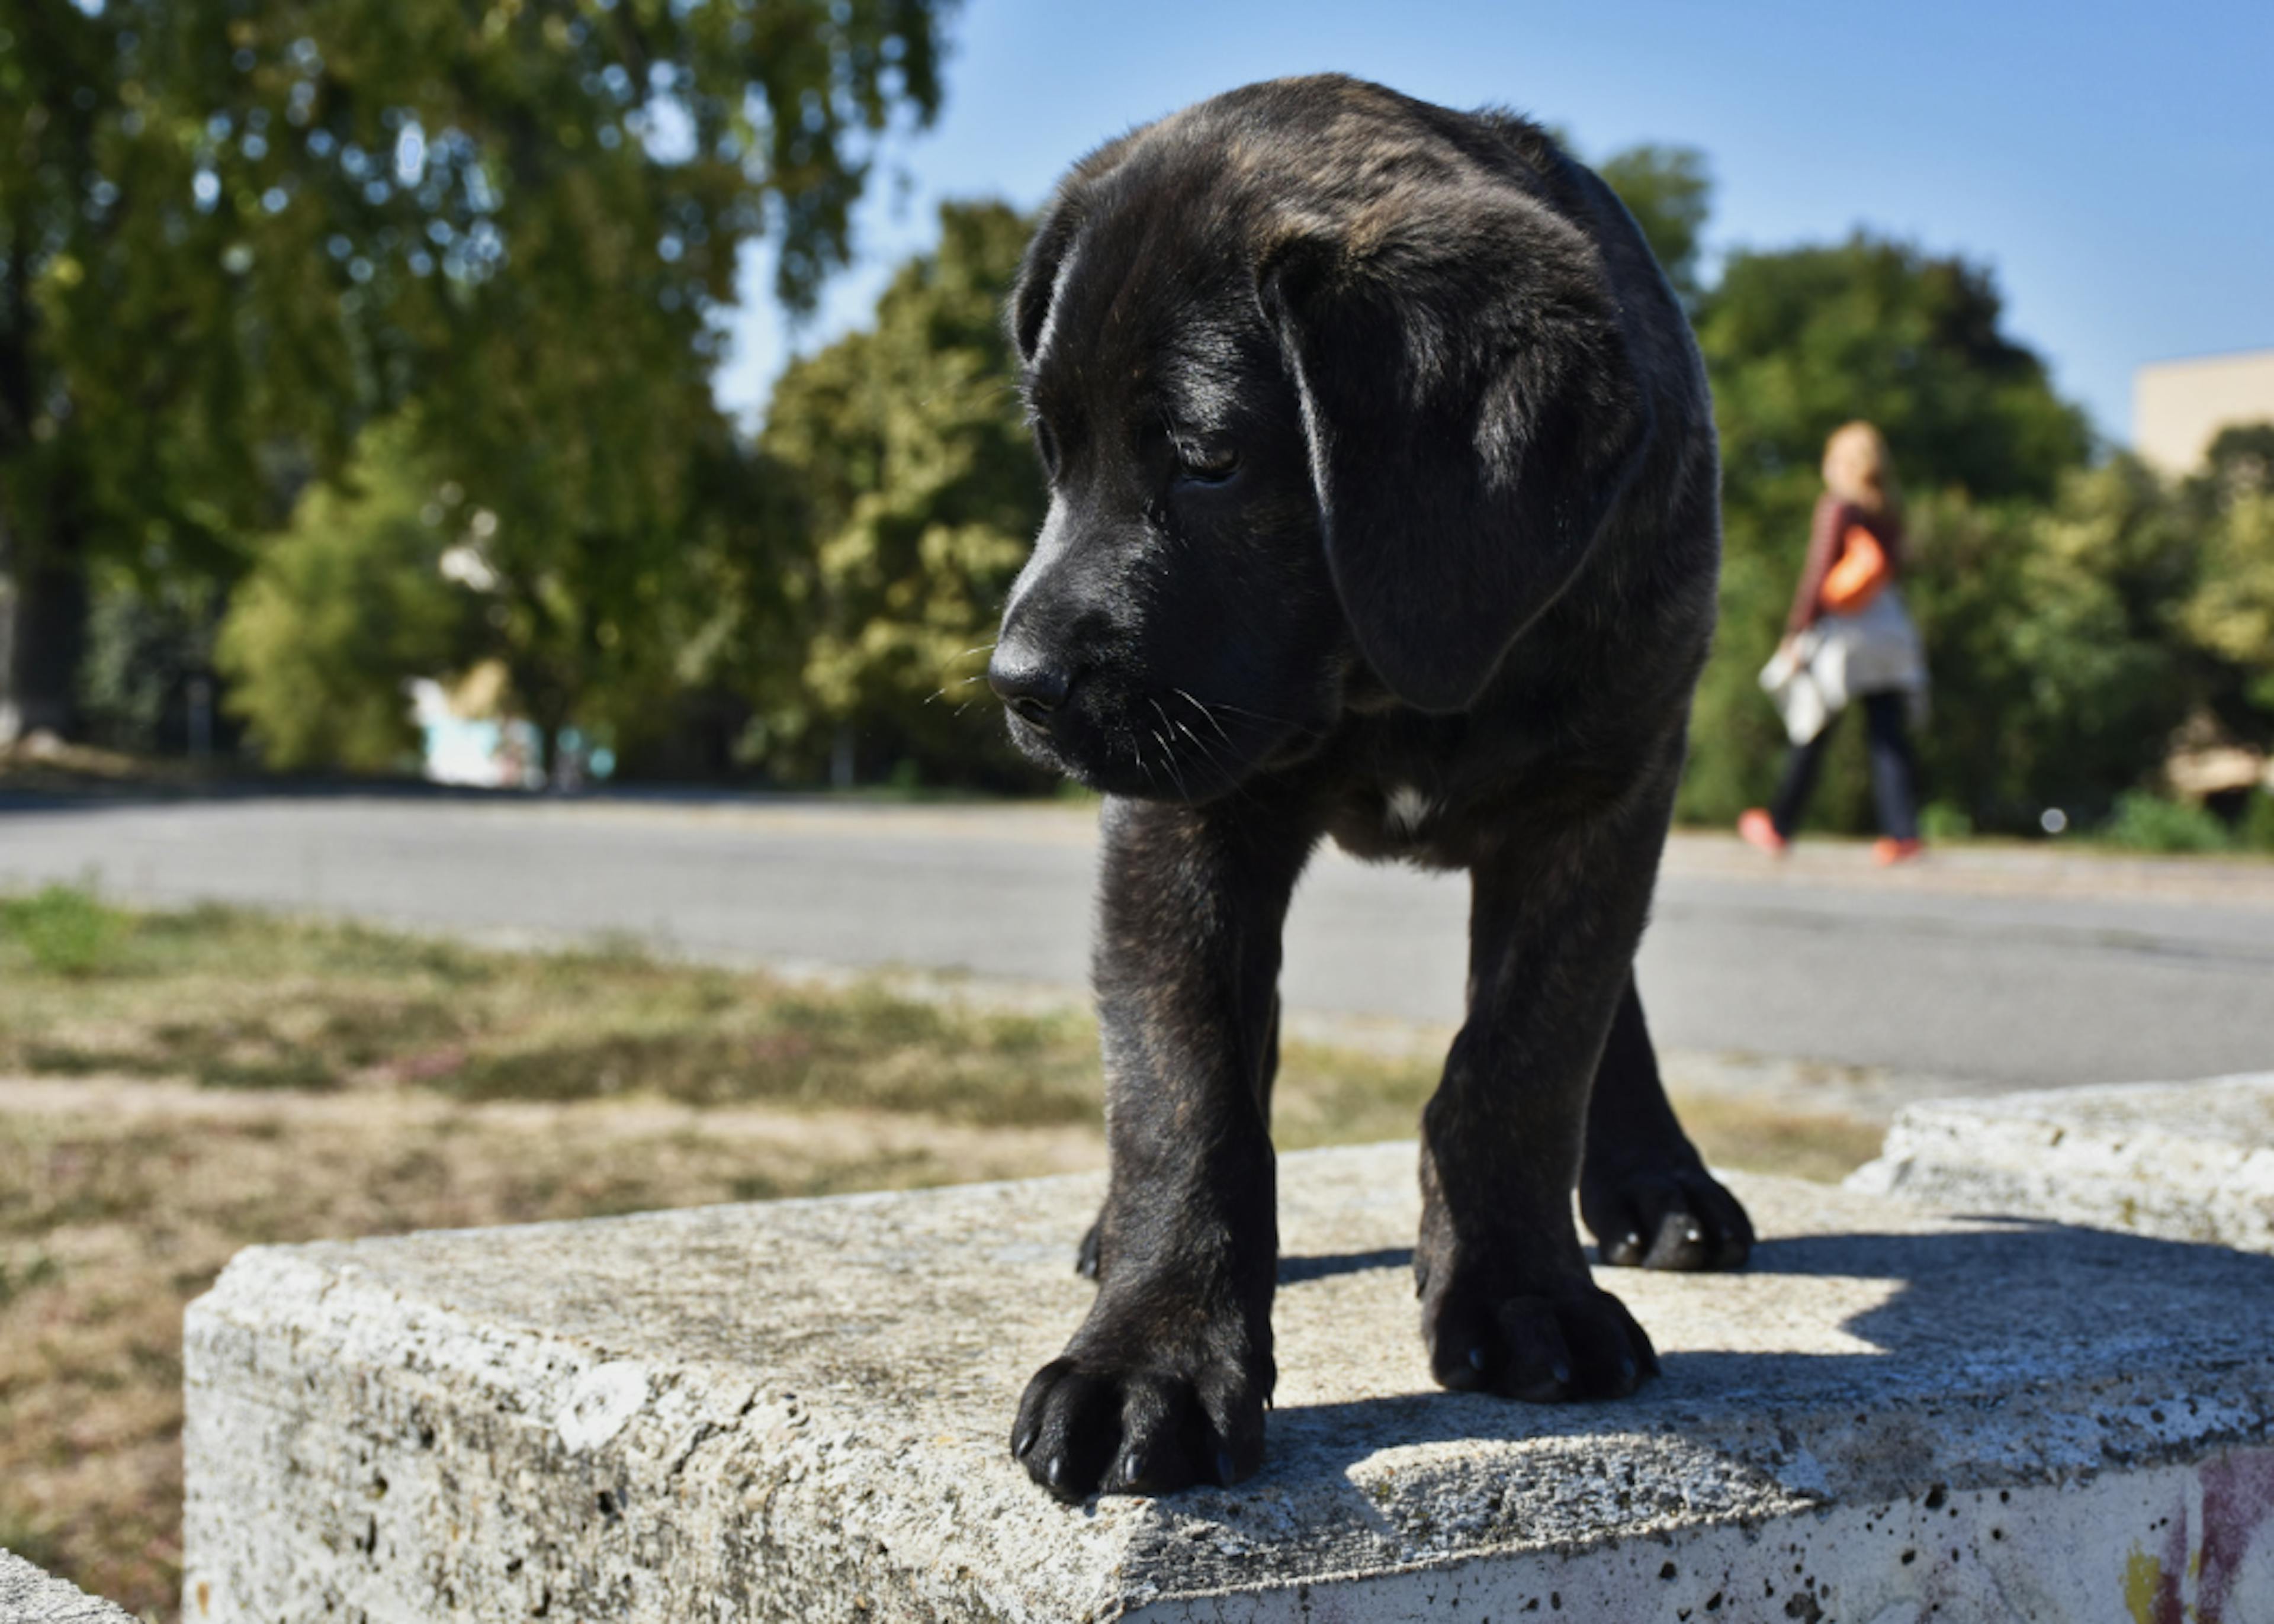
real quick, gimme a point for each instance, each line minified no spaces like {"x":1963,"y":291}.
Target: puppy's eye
{"x":1206,"y":467}
{"x":1046,"y":445}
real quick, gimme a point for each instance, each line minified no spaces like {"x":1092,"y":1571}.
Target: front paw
{"x":1566,"y":1340}
{"x":1665,"y":1218}
{"x":1117,"y":1414}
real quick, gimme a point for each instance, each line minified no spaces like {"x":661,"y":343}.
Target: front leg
{"x":1507,"y":1304}
{"x":1085,"y":1256}
{"x":1165,"y":1382}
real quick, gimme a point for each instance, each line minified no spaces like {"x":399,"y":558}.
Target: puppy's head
{"x":1331,"y":403}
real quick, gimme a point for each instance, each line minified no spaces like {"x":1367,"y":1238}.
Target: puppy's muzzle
{"x":1034,"y":689}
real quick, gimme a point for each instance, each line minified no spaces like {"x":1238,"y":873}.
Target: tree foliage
{"x":231,"y":236}
{"x":2230,"y":615}
{"x":346,"y":606}
{"x":922,"y":497}
{"x":2058,"y":677}
{"x":1669,"y":191}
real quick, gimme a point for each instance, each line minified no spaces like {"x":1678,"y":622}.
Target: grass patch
{"x":236,"y":1000}
{"x":357,"y":1081}
{"x":16,"y":1278}
{"x":35,"y":1544}
{"x":64,"y":930}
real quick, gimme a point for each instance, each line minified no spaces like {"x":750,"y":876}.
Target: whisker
{"x":1230,"y":770}
{"x":1205,"y":711}
{"x":1137,"y":754}
{"x":1169,"y":749}
{"x":1260,"y":716}
{"x":941,"y":692}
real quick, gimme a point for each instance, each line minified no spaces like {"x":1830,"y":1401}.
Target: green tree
{"x":921,"y":496}
{"x":231,"y":235}
{"x":2229,"y":616}
{"x":348,"y":605}
{"x":1797,"y":343}
{"x":1669,"y":191}
{"x":2058,"y":674}
{"x":120,"y":399}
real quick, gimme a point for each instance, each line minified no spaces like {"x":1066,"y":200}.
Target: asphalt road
{"x":1992,"y":968}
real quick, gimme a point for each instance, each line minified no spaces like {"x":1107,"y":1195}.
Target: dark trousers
{"x":1894,"y":773}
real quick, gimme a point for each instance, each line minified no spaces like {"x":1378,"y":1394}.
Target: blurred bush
{"x":2230,"y":615}
{"x":344,"y":607}
{"x":2058,"y":679}
{"x":2255,"y":830}
{"x":2147,"y":823}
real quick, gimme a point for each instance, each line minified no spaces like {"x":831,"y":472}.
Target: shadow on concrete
{"x":1295,"y":1271}
{"x":1988,"y":1314}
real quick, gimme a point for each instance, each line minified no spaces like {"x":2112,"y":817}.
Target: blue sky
{"x":2113,"y":164}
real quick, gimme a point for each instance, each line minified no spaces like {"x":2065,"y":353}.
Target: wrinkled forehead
{"x":1153,"y":307}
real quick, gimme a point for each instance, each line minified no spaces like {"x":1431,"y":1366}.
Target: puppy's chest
{"x":1442,"y":793}
{"x":1415,"y":814}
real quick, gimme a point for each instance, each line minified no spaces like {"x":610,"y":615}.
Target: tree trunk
{"x":11,"y":719}
{"x":45,"y":638}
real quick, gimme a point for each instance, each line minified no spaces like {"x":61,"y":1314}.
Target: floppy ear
{"x":1061,"y":221}
{"x":1038,"y":275}
{"x":1472,"y":414}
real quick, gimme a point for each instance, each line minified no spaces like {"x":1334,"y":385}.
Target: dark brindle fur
{"x":1383,"y":508}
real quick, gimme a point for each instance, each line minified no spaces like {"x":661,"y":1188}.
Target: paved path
{"x":2000,"y":968}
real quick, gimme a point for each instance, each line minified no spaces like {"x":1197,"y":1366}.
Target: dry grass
{"x":194,"y":1082}
{"x":1733,"y":1131}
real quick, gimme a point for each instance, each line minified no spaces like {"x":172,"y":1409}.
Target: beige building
{"x":2179,"y":407}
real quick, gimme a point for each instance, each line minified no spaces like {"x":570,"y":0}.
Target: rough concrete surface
{"x":2189,"y":1162}
{"x":798,"y":1411}
{"x":28,"y":1596}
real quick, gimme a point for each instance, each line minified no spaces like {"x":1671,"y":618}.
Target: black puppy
{"x":1383,"y":507}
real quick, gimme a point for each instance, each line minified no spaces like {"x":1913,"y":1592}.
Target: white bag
{"x":1876,"y":650}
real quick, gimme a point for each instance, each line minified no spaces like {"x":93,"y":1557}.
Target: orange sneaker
{"x":1887,"y":852}
{"x":1757,"y":828}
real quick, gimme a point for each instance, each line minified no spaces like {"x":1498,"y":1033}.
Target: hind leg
{"x":1644,"y":1190}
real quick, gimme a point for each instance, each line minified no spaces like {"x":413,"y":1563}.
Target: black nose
{"x":1032,"y":687}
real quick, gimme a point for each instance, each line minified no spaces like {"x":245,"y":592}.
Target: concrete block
{"x":28,"y":1596}
{"x":2189,"y":1162}
{"x":798,"y":1411}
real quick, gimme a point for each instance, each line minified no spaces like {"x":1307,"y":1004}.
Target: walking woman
{"x":1849,"y":637}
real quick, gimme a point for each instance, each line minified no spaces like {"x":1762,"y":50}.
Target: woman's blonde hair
{"x":1857,"y":469}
